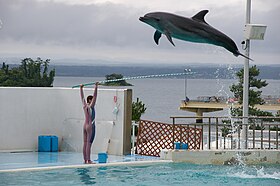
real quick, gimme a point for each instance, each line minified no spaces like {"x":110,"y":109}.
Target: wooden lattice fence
{"x":154,"y":136}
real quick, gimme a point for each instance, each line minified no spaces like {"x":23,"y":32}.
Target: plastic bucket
{"x":54,"y":143}
{"x":47,"y":143}
{"x":185,"y":146}
{"x":102,"y":157}
{"x":44,"y":143}
{"x":177,"y":145}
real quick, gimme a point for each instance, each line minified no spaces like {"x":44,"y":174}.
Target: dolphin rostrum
{"x":194,"y":29}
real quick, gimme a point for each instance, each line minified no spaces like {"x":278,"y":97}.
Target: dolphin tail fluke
{"x":244,"y":56}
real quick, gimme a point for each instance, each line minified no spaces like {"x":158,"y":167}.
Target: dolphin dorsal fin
{"x":200,"y":16}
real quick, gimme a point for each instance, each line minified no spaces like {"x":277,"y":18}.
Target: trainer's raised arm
{"x":82,"y":94}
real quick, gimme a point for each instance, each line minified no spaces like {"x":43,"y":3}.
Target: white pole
{"x":133,"y":137}
{"x":246,"y":83}
{"x":1,"y":24}
{"x":185,"y":83}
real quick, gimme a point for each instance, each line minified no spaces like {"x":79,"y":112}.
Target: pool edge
{"x":134,"y":163}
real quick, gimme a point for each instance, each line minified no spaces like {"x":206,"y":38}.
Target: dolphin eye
{"x":157,"y":19}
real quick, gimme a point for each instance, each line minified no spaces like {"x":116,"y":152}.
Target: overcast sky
{"x":110,"y":30}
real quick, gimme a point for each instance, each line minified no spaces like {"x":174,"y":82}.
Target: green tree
{"x":31,"y":73}
{"x":254,"y":92}
{"x":138,"y":108}
{"x":116,"y":83}
{"x":255,"y":85}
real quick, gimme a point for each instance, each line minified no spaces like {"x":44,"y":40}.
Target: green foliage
{"x":116,"y":83}
{"x":254,"y":93}
{"x":138,"y":108}
{"x":275,"y":128}
{"x":277,"y":115}
{"x":254,"y":85}
{"x":256,"y":127}
{"x":254,"y":96}
{"x":225,"y":131}
{"x":252,"y":112}
{"x":29,"y":74}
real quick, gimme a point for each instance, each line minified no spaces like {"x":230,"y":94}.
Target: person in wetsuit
{"x":89,"y":124}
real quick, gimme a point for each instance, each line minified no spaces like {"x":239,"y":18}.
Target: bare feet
{"x":89,"y":162}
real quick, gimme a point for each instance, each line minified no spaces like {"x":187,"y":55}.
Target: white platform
{"x":222,"y":157}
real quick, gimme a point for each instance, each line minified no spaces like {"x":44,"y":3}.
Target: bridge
{"x":212,"y":103}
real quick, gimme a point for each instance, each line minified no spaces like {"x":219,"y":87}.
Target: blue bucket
{"x":185,"y":146}
{"x":54,"y":143}
{"x":44,"y":143}
{"x":47,"y":143}
{"x":177,"y":145}
{"x":102,"y":157}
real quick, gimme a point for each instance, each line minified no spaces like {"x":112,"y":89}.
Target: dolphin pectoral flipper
{"x":169,"y":38}
{"x":200,"y":16}
{"x":157,"y":35}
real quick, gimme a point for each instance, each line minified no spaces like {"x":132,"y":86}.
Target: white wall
{"x":26,"y":113}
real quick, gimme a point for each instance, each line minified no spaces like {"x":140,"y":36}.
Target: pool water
{"x":158,"y":174}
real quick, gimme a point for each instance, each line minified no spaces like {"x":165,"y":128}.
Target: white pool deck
{"x":35,"y":161}
{"x":223,"y":157}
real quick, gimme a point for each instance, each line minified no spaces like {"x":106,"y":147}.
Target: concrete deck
{"x":222,"y":157}
{"x":29,"y":161}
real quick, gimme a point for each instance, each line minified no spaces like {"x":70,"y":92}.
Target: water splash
{"x":233,"y":123}
{"x":262,"y":174}
{"x":240,"y":160}
{"x":229,"y":74}
{"x":254,"y":173}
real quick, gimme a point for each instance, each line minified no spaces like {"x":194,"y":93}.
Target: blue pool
{"x":32,"y":169}
{"x":157,"y":174}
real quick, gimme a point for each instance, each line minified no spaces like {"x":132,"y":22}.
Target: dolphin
{"x":194,"y":29}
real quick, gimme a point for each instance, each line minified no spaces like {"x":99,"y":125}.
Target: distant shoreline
{"x":203,"y":71}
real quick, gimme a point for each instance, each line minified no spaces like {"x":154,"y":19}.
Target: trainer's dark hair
{"x":89,"y":98}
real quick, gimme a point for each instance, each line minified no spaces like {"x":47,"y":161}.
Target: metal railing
{"x":268,"y":99}
{"x":225,"y":132}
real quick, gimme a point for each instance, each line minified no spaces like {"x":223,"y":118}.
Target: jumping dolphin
{"x":194,"y":29}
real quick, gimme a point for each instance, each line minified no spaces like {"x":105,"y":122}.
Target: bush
{"x":138,"y":108}
{"x":116,"y":83}
{"x":29,"y":74}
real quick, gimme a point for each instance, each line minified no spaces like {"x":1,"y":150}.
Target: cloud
{"x":98,"y":29}
{"x":65,"y":24}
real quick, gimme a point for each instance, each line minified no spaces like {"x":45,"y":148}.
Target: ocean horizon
{"x":162,"y":96}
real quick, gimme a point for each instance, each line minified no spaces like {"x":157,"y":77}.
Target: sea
{"x":162,"y":96}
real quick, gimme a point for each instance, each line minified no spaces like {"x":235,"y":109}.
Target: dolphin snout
{"x":142,"y":19}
